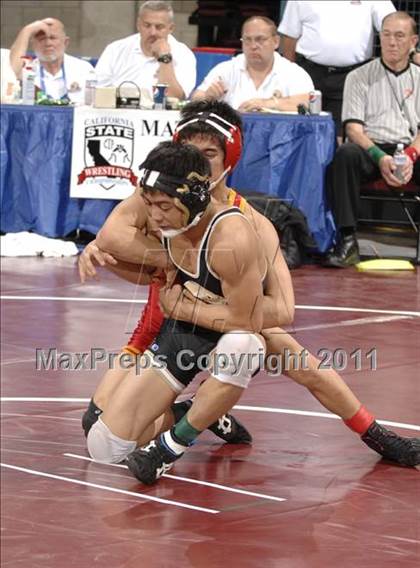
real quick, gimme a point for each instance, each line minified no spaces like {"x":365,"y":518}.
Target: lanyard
{"x":43,"y":89}
{"x":402,"y":104}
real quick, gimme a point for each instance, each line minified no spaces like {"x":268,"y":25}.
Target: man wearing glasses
{"x":259,"y":77}
{"x":60,"y":76}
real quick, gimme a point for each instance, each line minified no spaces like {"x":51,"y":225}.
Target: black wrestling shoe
{"x":228,"y":428}
{"x":90,"y":416}
{"x":150,"y":462}
{"x":345,"y":254}
{"x":405,"y":451}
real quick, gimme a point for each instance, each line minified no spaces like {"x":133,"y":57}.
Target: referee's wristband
{"x":412,"y":153}
{"x":376,"y":153}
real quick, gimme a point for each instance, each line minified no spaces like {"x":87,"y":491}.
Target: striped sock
{"x":171,"y":444}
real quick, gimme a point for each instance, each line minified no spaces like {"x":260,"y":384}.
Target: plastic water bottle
{"x":400,"y":159}
{"x":28,"y":85}
{"x":90,"y":88}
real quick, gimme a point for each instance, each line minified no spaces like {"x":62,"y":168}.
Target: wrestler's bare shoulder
{"x":261,"y":224}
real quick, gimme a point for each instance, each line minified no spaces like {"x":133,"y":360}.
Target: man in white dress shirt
{"x":329,"y":39}
{"x":259,"y":77}
{"x":7,"y":76}
{"x":58,"y":75}
{"x":151,"y":56}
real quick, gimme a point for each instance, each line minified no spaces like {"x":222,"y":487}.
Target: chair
{"x":383,"y":198}
{"x":217,"y":22}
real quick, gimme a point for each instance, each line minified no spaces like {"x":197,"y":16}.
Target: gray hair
{"x":399,"y":15}
{"x":157,"y":6}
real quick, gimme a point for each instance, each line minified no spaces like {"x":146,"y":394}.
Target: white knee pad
{"x":105,"y":447}
{"x":237,"y":357}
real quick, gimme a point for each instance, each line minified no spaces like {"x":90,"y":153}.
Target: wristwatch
{"x":165,"y":58}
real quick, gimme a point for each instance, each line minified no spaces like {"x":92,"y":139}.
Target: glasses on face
{"x":258,"y":40}
{"x":398,"y":36}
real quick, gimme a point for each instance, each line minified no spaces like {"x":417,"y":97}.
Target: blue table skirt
{"x":35,"y":158}
{"x":283,"y":156}
{"x":286,"y":157}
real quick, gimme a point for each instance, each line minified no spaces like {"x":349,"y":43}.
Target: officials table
{"x":284,"y":156}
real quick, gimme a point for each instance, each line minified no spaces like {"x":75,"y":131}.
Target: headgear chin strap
{"x":171,"y":233}
{"x":233,"y":143}
{"x":214,"y":182}
{"x":191,"y":195}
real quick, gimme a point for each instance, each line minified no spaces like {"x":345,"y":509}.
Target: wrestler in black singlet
{"x":177,"y":336}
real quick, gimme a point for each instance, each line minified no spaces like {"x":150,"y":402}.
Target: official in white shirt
{"x":259,"y":77}
{"x":8,"y":78}
{"x":58,"y":75}
{"x":151,"y":56}
{"x":330,"y":38}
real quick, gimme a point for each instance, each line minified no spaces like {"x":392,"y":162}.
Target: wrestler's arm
{"x":233,"y":257}
{"x":92,"y":256}
{"x":142,"y":275}
{"x":278,"y":303}
{"x":123,"y":235}
{"x":279,"y":298}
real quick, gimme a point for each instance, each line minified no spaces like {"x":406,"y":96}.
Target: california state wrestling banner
{"x":110,"y":144}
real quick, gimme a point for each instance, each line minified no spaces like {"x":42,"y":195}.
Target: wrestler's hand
{"x":388,"y":167}
{"x":171,"y":301}
{"x":158,"y":276}
{"x":91,"y":257}
{"x":171,"y":273}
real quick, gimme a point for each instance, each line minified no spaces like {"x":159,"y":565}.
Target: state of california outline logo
{"x":108,"y":154}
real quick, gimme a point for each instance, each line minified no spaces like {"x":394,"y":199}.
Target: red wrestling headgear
{"x":232,"y":134}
